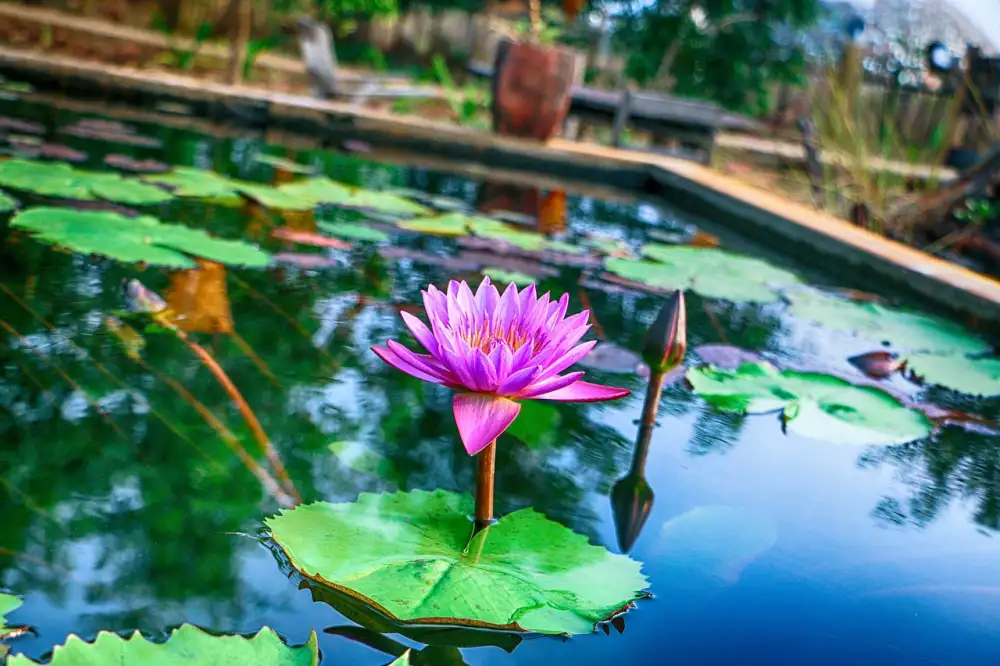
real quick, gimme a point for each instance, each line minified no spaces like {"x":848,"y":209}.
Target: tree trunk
{"x":238,"y":41}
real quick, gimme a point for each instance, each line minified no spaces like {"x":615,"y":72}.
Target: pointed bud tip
{"x":666,"y":340}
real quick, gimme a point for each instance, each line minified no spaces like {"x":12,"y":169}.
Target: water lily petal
{"x":403,"y":366}
{"x":426,"y":364}
{"x":481,"y":418}
{"x":567,"y":359}
{"x":549,"y":385}
{"x":420,"y":331}
{"x":519,"y":380}
{"x":584,"y":392}
{"x":484,"y":373}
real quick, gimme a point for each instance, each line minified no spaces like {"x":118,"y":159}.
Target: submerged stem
{"x":485,"y":475}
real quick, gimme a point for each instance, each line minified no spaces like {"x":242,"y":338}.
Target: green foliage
{"x":731,"y":57}
{"x":140,"y":239}
{"x":500,"y":276}
{"x":187,"y":646}
{"x":708,"y":272}
{"x":411,"y":554}
{"x":60,"y":180}
{"x":813,"y":405}
{"x":322,"y":190}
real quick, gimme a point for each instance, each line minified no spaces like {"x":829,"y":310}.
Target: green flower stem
{"x":485,"y":476}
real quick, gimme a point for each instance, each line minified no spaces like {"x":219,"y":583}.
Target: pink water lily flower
{"x":497,"y":350}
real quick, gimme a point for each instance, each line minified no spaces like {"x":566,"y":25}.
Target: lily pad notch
{"x":410,"y":556}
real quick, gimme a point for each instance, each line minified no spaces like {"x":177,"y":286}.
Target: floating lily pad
{"x":322,"y":190}
{"x":57,"y":151}
{"x":525,"y":240}
{"x":708,"y":272}
{"x":56,"y":179}
{"x":500,"y":276}
{"x":813,"y":405}
{"x":271,"y":197}
{"x":187,"y":646}
{"x":609,"y":357}
{"x":904,"y":331}
{"x":410,"y":555}
{"x":8,"y":604}
{"x":143,"y":238}
{"x":197,"y":183}
{"x":282,"y":163}
{"x":975,"y":376}
{"x":355,"y":231}
{"x":727,"y":357}
{"x":7,"y":202}
{"x":452,"y":224}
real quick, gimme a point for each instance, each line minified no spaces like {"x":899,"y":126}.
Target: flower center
{"x":487,"y":340}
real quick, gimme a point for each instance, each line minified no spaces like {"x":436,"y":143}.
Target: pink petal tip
{"x":584,"y":392}
{"x":481,"y":418}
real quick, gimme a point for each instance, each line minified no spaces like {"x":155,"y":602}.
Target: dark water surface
{"x":761,"y":547}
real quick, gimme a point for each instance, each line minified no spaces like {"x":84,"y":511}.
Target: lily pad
{"x":187,"y":646}
{"x":60,"y":180}
{"x":525,"y":240}
{"x":196,"y":183}
{"x":409,"y":554}
{"x":7,"y":202}
{"x":813,"y":405}
{"x":322,"y":190}
{"x":282,"y":163}
{"x":136,"y":239}
{"x":904,"y":331}
{"x":272,"y":197}
{"x":975,"y":376}
{"x":452,"y":224}
{"x":500,"y":276}
{"x":709,"y":272}
{"x":8,"y":604}
{"x":355,"y":231}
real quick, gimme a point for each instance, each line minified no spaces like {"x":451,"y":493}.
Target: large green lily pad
{"x":813,"y":405}
{"x":904,"y":331}
{"x":8,"y":604}
{"x":409,"y":555}
{"x":322,"y":190}
{"x":187,"y":646}
{"x":144,"y":238}
{"x":975,"y":376}
{"x":709,"y":272}
{"x":60,"y":180}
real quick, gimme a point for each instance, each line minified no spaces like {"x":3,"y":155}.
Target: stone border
{"x":761,"y":215}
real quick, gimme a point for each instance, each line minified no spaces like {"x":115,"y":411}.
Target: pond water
{"x":122,"y":509}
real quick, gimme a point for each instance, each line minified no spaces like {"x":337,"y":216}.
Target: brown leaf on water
{"x":57,"y":151}
{"x":877,"y":364}
{"x":19,"y":125}
{"x":634,"y":286}
{"x":199,"y":299}
{"x":552,"y":213}
{"x":309,"y":238}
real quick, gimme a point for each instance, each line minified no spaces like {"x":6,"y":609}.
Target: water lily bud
{"x":631,"y":504}
{"x":666,"y":340}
